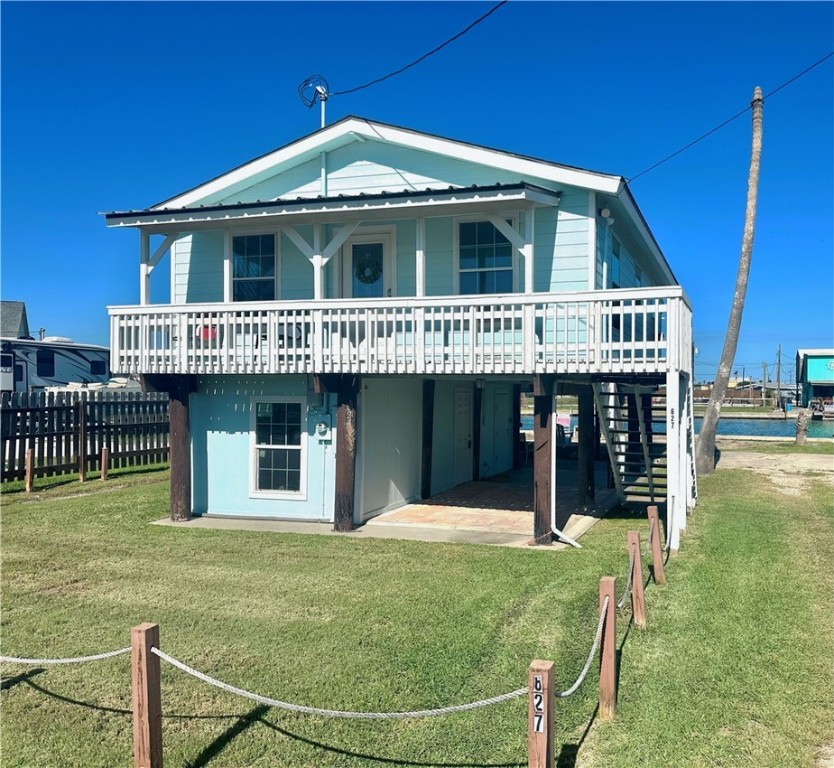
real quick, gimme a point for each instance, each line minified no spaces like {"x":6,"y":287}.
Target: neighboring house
{"x":13,"y":321}
{"x":352,"y":317}
{"x":814,"y":375}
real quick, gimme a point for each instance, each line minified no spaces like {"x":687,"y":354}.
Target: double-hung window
{"x":485,"y":257}
{"x":253,"y":268}
{"x":279,"y":447}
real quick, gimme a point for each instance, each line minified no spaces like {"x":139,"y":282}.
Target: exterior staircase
{"x":633,"y":425}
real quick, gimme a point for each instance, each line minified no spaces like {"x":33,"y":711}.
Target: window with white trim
{"x":253,"y":268}
{"x":485,"y":259}
{"x":280,"y":443}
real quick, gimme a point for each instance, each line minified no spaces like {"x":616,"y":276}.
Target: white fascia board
{"x":424,"y":205}
{"x":491,"y":157}
{"x":353,"y":129}
{"x":293,"y":154}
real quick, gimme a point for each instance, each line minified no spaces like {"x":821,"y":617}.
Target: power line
{"x":730,"y":120}
{"x":425,"y":55}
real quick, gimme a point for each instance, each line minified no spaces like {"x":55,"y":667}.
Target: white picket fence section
{"x":643,"y":330}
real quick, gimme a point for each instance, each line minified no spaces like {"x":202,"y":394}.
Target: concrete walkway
{"x":496,"y":512}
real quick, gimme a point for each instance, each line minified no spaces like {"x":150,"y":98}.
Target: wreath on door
{"x":367,"y":269}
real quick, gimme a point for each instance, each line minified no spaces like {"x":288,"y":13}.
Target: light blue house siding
{"x":223,"y":454}
{"x":388,"y":453}
{"x":197,"y":268}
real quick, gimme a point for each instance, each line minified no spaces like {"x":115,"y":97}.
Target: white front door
{"x":463,"y":436}
{"x":367,"y":266}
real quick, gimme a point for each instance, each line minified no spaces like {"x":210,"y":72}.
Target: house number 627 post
{"x":541,"y":699}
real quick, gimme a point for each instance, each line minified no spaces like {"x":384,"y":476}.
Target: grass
{"x":735,"y":669}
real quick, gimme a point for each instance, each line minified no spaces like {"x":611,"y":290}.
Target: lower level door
{"x":463,"y":436}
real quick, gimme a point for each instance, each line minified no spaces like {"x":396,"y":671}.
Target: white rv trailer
{"x":27,"y":365}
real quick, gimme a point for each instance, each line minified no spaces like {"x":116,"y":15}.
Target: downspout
{"x":554,"y":432}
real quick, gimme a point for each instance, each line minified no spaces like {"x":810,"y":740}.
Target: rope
{"x":336,"y":712}
{"x":579,"y":680}
{"x":627,"y":590}
{"x":75,"y":660}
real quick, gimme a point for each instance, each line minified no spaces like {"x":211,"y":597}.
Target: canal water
{"x":742,"y":427}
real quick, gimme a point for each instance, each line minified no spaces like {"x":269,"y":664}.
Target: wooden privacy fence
{"x":69,"y":432}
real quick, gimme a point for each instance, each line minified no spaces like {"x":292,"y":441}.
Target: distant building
{"x":13,"y":322}
{"x":814,"y":375}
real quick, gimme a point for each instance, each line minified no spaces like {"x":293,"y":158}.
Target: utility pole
{"x":779,"y":376}
{"x":764,"y":384}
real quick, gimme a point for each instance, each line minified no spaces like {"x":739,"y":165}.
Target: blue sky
{"x":111,"y":106}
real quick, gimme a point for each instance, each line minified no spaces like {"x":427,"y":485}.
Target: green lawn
{"x":735,"y":669}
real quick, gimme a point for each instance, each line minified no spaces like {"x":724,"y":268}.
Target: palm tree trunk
{"x":705,"y":450}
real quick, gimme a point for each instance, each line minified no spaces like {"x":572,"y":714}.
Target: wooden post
{"x":543,"y":474}
{"x":608,"y":651}
{"x":146,"y":697}
{"x":82,"y":440}
{"x":346,"y":425}
{"x":180,"y":447}
{"x":477,"y":407}
{"x":517,"y":458}
{"x":638,"y":602}
{"x":657,"y":550}
{"x":586,"y":453}
{"x":30,"y":470}
{"x":542,"y":693}
{"x":428,"y":438}
{"x":105,"y":462}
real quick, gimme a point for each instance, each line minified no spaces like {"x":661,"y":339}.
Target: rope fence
{"x":541,"y":689}
{"x":72,"y":660}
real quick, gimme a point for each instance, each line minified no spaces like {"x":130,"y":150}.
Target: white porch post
{"x":144,"y":268}
{"x":227,"y":266}
{"x":420,"y":257}
{"x":318,"y":265}
{"x":527,"y":249}
{"x":675,"y":505}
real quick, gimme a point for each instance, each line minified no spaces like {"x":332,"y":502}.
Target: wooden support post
{"x":82,"y":440}
{"x":608,"y":651}
{"x":180,"y":448}
{"x":586,"y":452}
{"x":517,"y":456}
{"x":178,"y":387}
{"x":30,"y":470}
{"x":542,"y":697}
{"x":638,"y":602}
{"x":477,"y":407}
{"x":657,"y":550}
{"x":105,"y":462}
{"x":428,"y":438}
{"x":346,"y":425}
{"x":146,"y":697}
{"x":543,"y":469}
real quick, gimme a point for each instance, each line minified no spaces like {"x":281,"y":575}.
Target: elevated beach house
{"x":353,"y":315}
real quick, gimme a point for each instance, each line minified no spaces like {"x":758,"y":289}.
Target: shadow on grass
{"x":569,"y":753}
{"x":14,"y":487}
{"x":385,"y":760}
{"x":26,"y":679}
{"x":10,"y":682}
{"x":222,"y":741}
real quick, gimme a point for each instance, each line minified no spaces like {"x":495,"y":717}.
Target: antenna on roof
{"x":315,"y":88}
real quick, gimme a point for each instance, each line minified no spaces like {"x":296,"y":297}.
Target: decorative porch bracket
{"x":318,"y":255}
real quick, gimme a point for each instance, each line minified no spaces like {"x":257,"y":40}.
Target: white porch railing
{"x":644,"y":330}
